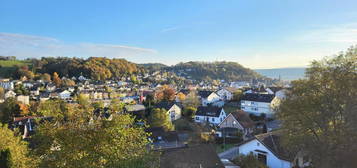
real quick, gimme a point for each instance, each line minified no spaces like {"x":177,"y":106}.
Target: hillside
{"x":229,"y":71}
{"x":8,"y":67}
{"x":150,"y":67}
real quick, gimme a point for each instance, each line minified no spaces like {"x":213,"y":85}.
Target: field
{"x":8,"y":67}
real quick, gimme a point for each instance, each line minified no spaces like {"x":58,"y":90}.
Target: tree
{"x":68,"y":83}
{"x":56,"y":79}
{"x":320,"y":112}
{"x":116,"y":106}
{"x":181,"y":96}
{"x":191,"y":100}
{"x":189,"y":112}
{"x":45,"y":77}
{"x":166,"y":93}
{"x":237,"y":95}
{"x":2,"y":93}
{"x":14,"y":152}
{"x":24,"y":71}
{"x":159,"y":118}
{"x":8,"y":110}
{"x":248,"y":161}
{"x":104,"y":143}
{"x":53,"y":108}
{"x":21,"y":90}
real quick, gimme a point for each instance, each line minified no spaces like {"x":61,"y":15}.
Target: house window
{"x":243,"y":107}
{"x":197,"y":118}
{"x":262,"y":158}
{"x":212,"y":119}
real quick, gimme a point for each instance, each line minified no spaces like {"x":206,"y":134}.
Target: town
{"x":178,"y":84}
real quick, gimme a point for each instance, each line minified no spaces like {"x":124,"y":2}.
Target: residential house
{"x":226,"y":93}
{"x":138,"y":110}
{"x":65,"y":95}
{"x":238,"y":120}
{"x":196,"y":156}
{"x":268,"y":149}
{"x":6,"y":84}
{"x":208,"y":97}
{"x":173,"y":110}
{"x":23,"y":99}
{"x":9,"y":94}
{"x":51,"y":87}
{"x":259,"y":104}
{"x":210,"y":114}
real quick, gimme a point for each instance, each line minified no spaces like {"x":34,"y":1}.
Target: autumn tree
{"x":56,"y":79}
{"x":68,"y":83}
{"x":116,"y":106}
{"x":165,"y":93}
{"x":189,"y":112}
{"x":181,"y":96}
{"x":45,"y":77}
{"x":8,"y":110}
{"x":14,"y":152}
{"x":2,"y":93}
{"x":191,"y":100}
{"x":24,"y":71}
{"x":159,"y":118}
{"x":320,"y":112}
{"x":104,"y":143}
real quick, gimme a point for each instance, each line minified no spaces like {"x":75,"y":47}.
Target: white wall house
{"x":174,"y":112}
{"x":210,"y":114}
{"x":267,"y":148}
{"x":210,"y":99}
{"x":239,"y":120}
{"x":258,"y":104}
{"x":264,"y":154}
{"x":225,"y":94}
{"x":65,"y":94}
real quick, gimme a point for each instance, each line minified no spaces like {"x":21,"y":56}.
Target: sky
{"x":254,"y":33}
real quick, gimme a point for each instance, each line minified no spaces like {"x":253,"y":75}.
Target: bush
{"x":248,"y":161}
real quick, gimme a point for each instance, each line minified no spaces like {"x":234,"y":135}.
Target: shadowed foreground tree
{"x":320,"y":112}
{"x":159,"y":118}
{"x":248,"y":161}
{"x":14,"y":152}
{"x":102,"y":143}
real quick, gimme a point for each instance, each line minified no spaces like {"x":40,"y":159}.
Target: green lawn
{"x":220,"y":147}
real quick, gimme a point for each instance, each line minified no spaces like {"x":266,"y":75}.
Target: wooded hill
{"x":100,"y":68}
{"x":229,"y":71}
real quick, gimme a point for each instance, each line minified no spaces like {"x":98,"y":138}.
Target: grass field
{"x":8,"y":67}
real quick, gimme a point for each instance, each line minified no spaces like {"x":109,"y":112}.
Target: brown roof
{"x":243,"y":118}
{"x":203,"y":156}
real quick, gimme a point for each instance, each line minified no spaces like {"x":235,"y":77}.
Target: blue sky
{"x":254,"y":33}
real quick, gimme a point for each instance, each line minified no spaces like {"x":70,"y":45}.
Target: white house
{"x":208,"y":97}
{"x":259,"y":104}
{"x":240,"y":84}
{"x":238,"y":120}
{"x":6,"y":84}
{"x":9,"y":94}
{"x":23,"y":99}
{"x":65,"y":94}
{"x":174,"y":112}
{"x":226,"y":94}
{"x":267,"y":148}
{"x":210,"y":114}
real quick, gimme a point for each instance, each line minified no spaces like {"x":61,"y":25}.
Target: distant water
{"x":284,"y":73}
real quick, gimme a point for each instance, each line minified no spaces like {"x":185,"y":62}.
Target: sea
{"x":287,"y":74}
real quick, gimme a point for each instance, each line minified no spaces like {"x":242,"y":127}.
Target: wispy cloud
{"x":24,"y":46}
{"x":170,"y":29}
{"x":346,"y":33}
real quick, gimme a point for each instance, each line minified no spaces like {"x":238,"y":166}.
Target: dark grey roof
{"x":258,"y":97}
{"x":272,"y":140}
{"x":200,"y":156}
{"x":165,"y":105}
{"x":211,"y":111}
{"x":204,"y":93}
